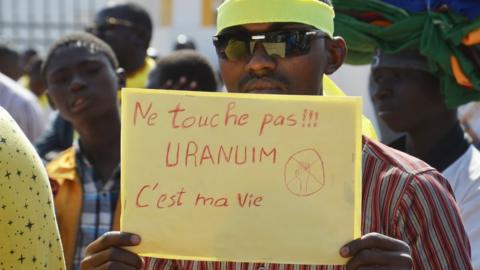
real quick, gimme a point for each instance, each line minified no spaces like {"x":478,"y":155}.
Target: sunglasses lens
{"x":274,"y":48}
{"x":281,"y":44}
{"x":236,"y":49}
{"x":297,"y":44}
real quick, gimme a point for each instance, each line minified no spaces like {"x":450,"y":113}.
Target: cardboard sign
{"x":242,"y":178}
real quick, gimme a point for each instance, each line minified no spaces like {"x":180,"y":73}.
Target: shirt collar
{"x":450,"y":148}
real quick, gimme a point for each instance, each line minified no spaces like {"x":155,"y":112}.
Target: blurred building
{"x":36,"y":23}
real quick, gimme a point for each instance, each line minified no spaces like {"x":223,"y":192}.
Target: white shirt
{"x":464,"y":177}
{"x":22,"y":105}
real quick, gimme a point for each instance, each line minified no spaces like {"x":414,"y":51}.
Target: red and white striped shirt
{"x":403,"y":198}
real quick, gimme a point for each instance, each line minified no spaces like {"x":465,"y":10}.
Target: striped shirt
{"x":99,"y":202}
{"x":402,"y":197}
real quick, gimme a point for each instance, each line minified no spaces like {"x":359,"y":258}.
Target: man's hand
{"x":377,"y":251}
{"x":182,"y":84}
{"x":106,"y":253}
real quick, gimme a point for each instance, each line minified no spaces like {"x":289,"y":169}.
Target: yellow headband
{"x":311,"y":12}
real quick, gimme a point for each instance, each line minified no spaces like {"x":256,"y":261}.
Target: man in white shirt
{"x":408,"y":99}
{"x":22,"y":106}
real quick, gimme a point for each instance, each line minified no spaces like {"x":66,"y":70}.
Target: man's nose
{"x":260,"y":63}
{"x":380,"y":90}
{"x":78,"y":83}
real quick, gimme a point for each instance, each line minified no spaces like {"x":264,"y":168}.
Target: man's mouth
{"x":264,"y":86}
{"x":384,"y":111}
{"x":79,"y":104}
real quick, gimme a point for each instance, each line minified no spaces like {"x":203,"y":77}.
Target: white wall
{"x":353,"y":80}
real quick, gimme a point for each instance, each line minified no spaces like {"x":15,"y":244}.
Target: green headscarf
{"x":437,"y":36}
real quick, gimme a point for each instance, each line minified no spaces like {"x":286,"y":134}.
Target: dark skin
{"x":274,"y":75}
{"x":36,"y":84}
{"x":10,"y":65}
{"x":262,"y":73}
{"x":410,"y":101}
{"x":183,"y":82}
{"x":83,"y":87}
{"x":130,"y":43}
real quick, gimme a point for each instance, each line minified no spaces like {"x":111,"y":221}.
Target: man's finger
{"x":113,"y":239}
{"x":374,"y":241}
{"x":181,"y":84}
{"x":377,"y":258}
{"x":193,"y":85}
{"x":112,"y":255}
{"x":168,"y":84}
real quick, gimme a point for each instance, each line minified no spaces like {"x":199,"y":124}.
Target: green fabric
{"x":312,"y":12}
{"x":436,"y":35}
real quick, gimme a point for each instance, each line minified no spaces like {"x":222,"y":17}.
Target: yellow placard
{"x":239,"y":177}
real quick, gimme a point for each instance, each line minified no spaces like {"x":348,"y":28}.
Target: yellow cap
{"x":311,"y":12}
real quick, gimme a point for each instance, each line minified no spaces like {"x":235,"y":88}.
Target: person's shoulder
{"x":406,"y":171}
{"x":473,"y":158}
{"x":15,"y":97}
{"x":16,"y":89}
{"x":466,"y":164}
{"x":464,"y":173}
{"x":387,"y":156}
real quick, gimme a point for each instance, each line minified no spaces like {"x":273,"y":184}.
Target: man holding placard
{"x":409,"y":218}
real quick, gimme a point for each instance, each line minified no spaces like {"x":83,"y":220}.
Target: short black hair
{"x":34,"y":65}
{"x":7,"y":50}
{"x":186,"y":63}
{"x":84,"y":40}
{"x":328,"y":2}
{"x":10,"y":61}
{"x":131,"y":12}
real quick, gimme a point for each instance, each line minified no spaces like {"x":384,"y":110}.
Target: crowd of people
{"x":60,"y":125}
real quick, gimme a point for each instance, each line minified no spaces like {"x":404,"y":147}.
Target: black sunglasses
{"x":111,"y":23}
{"x":287,"y":43}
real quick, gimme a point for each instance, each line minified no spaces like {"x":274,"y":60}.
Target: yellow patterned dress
{"x":29,"y":237}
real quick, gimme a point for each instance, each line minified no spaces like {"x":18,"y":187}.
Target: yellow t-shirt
{"x":139,"y":79}
{"x":332,"y":90}
{"x":29,"y":234}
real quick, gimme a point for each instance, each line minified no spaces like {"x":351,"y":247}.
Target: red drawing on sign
{"x":304,"y":173}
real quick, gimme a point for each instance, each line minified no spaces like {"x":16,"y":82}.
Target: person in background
{"x":184,"y":42}
{"x":37,"y":86}
{"x":19,"y":102}
{"x":36,"y":83}
{"x":408,"y":99}
{"x":386,"y":134}
{"x":26,"y":56}
{"x":30,"y":237}
{"x":183,"y":70}
{"x":127,"y":29}
{"x":10,"y":64}
{"x":83,"y":78}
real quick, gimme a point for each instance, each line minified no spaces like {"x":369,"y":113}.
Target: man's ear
{"x":50,"y":102}
{"x":337,"y":51}
{"x":122,"y":78}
